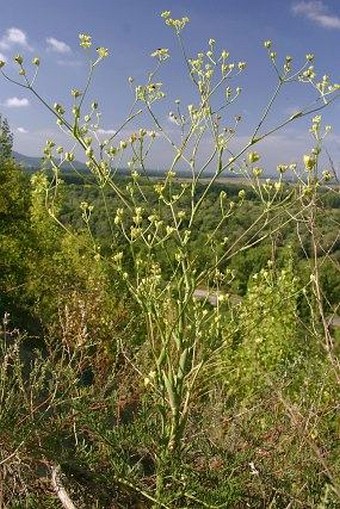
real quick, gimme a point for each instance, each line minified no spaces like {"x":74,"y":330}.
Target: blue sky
{"x":132,"y":29}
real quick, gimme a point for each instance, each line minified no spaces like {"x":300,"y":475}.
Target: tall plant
{"x":183,"y":337}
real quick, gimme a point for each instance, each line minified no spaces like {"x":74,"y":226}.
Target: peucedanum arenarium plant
{"x":186,"y":340}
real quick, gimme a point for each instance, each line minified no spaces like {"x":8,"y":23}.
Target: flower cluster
{"x":176,"y":24}
{"x":161,"y":54}
{"x":85,"y":40}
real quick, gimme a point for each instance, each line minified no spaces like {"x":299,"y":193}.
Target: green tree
{"x":14,"y":202}
{"x":6,"y":140}
{"x":14,"y":236}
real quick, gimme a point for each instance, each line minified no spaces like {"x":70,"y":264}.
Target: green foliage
{"x":14,"y":235}
{"x":271,"y":337}
{"x":14,"y":202}
{"x":6,"y":140}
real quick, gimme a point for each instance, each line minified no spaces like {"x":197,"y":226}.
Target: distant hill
{"x":34,"y":163}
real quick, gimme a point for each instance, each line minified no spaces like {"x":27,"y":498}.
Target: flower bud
{"x":165,"y":14}
{"x":327,"y":176}
{"x":253,"y":157}
{"x":69,"y":156}
{"x":59,"y":108}
{"x":309,"y":162}
{"x":18,"y":59}
{"x":75,"y":93}
{"x":257,"y":172}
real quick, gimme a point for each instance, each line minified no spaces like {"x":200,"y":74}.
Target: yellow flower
{"x":309,"y":162}
{"x":85,"y":40}
{"x":161,"y":53}
{"x":253,"y":157}
{"x":102,"y":52}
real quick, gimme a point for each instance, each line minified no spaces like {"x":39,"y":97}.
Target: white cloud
{"x":57,"y":46}
{"x":317,"y":12}
{"x":106,"y":132}
{"x":14,"y":37}
{"x":69,"y":63}
{"x":22,"y":130}
{"x":3,"y":58}
{"x":15,"y":102}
